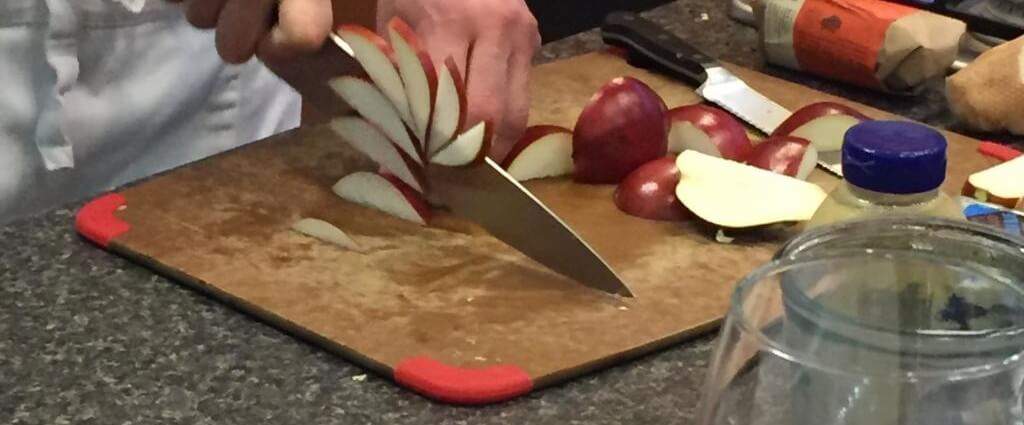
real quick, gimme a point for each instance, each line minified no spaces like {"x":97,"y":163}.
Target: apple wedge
{"x":823,"y":124}
{"x":468,"y":148}
{"x":650,"y":192}
{"x":449,"y":107}
{"x":377,"y":59}
{"x":733,"y":195}
{"x":1002,"y":184}
{"x":622,"y":127}
{"x":418,"y":75}
{"x":372,"y":105}
{"x":383,"y":193}
{"x":708,"y":130}
{"x":543,"y":151}
{"x":324,"y":231}
{"x":790,"y":156}
{"x":370,"y":141}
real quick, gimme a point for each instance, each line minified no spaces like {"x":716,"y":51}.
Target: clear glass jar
{"x":890,"y":168}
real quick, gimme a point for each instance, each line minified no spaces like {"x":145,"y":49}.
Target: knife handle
{"x":650,"y":46}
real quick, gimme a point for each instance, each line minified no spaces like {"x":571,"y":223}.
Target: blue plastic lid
{"x":894,"y":157}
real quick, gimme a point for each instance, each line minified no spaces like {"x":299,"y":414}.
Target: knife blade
{"x":650,"y":46}
{"x":483,"y":193}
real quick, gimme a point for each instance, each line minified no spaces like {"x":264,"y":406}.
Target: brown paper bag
{"x":869,"y":43}
{"x":989,"y":92}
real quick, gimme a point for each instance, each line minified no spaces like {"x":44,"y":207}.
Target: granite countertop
{"x":87,"y":337}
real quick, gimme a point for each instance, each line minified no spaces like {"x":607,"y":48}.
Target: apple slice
{"x":823,"y":124}
{"x":1002,"y":184}
{"x":371,"y":104}
{"x":324,"y":231}
{"x":790,"y":156}
{"x":543,"y":151}
{"x":622,"y":127}
{"x":449,"y":107}
{"x":418,"y":75}
{"x":376,"y":57}
{"x":650,"y":192}
{"x":383,"y":193}
{"x":708,"y":130}
{"x":733,"y":195}
{"x":370,"y":141}
{"x":468,"y":148}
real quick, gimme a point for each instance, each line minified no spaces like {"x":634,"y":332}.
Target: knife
{"x":483,"y":193}
{"x":650,"y":46}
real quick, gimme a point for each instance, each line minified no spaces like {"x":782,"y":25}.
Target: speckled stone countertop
{"x":89,"y":338}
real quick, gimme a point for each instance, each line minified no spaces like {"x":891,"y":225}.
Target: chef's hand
{"x":247,"y":28}
{"x":492,"y":42}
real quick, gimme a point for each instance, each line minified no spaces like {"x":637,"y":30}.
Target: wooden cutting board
{"x":446,"y":310}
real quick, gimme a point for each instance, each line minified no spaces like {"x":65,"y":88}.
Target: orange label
{"x":842,"y":38}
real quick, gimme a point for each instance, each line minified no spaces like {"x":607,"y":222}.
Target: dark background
{"x":560,"y":19}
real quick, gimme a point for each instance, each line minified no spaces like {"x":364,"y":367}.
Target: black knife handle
{"x":650,"y":46}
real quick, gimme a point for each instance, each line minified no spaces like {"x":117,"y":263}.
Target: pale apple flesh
{"x":733,"y":195}
{"x":649,"y":192}
{"x":708,"y":130}
{"x":449,"y":107}
{"x":378,"y":192}
{"x":370,"y":141}
{"x":543,"y":151}
{"x":824,"y":124}
{"x":1002,"y":184}
{"x":418,"y":75}
{"x":376,"y":57}
{"x":372,"y":105}
{"x":468,"y":148}
{"x":790,"y":156}
{"x":324,"y":231}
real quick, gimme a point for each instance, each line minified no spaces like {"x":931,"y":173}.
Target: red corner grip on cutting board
{"x":96,"y":220}
{"x":462,"y":385}
{"x":998,"y":151}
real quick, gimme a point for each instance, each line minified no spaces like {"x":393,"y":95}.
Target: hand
{"x":268,"y":29}
{"x":492,"y":42}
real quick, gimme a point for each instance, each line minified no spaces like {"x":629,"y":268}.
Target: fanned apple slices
{"x":411,"y":115}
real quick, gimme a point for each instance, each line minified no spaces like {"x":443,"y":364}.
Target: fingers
{"x":442,"y":44}
{"x":485,"y":82}
{"x":203,"y":13}
{"x":517,"y":105}
{"x":241,"y":26}
{"x":302,"y":27}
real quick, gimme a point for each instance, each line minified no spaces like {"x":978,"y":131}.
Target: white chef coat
{"x":98,"y":93}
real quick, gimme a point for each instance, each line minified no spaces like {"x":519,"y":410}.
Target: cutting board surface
{"x":449,"y":310}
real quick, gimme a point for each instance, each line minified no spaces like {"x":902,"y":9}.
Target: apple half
{"x":467,"y":149}
{"x":384,"y":193}
{"x":786,"y":155}
{"x":650,"y":192}
{"x":370,"y":141}
{"x":824,"y":124}
{"x":543,"y":151}
{"x":708,"y":130}
{"x":449,"y":107}
{"x":418,"y":75}
{"x":372,"y":105}
{"x":733,"y":195}
{"x":1002,"y":184}
{"x":377,"y":59}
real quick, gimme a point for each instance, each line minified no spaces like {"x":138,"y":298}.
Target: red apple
{"x":543,"y":151}
{"x":369,"y":140}
{"x":622,"y":127}
{"x":372,"y":105}
{"x":384,"y":193}
{"x":377,"y":59}
{"x":469,"y":148}
{"x":650,"y":192}
{"x":824,"y":124}
{"x":449,"y":106}
{"x":791,"y":156}
{"x":418,"y":75}
{"x":708,"y":130}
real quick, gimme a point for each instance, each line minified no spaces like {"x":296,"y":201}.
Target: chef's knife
{"x":484,"y":193}
{"x":650,"y":46}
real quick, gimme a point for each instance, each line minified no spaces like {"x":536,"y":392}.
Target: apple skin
{"x":723,"y":131}
{"x":416,"y":200}
{"x":650,"y":192}
{"x":623,"y":126}
{"x":815,"y":110}
{"x":532,"y":134}
{"x":783,"y":155}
